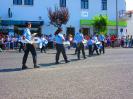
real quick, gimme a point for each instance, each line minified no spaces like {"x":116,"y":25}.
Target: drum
{"x":35,"y":41}
{"x":66,"y":43}
{"x":85,"y":42}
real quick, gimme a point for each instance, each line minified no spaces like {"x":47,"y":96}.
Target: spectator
{"x":122,"y":42}
{"x":113,"y":40}
{"x":127,"y":41}
{"x":108,"y":41}
{"x":130,"y":41}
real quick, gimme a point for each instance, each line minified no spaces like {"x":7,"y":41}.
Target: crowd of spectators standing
{"x":124,"y":41}
{"x":14,"y":42}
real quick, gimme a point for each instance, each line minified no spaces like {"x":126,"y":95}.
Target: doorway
{"x":70,"y":31}
{"x":86,"y":31}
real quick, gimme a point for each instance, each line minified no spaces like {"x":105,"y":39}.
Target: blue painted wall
{"x":32,"y":13}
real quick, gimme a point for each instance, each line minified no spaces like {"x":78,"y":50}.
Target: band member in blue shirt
{"x":102,"y":39}
{"x":29,"y":47}
{"x":59,"y":39}
{"x":95,"y":47}
{"x":43,"y":43}
{"x":79,"y":41}
{"x":90,"y":44}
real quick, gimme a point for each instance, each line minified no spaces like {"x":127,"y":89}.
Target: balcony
{"x":125,"y":15}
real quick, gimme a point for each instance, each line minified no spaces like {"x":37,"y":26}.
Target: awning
{"x":16,"y":22}
{"x":110,"y":23}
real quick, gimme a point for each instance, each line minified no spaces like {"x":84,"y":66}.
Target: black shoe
{"x":84,"y":57}
{"x":67,"y":61}
{"x":78,"y":58}
{"x":89,"y":55}
{"x":57,"y":63}
{"x":24,"y":67}
{"x":35,"y":66}
{"x":75,"y":53}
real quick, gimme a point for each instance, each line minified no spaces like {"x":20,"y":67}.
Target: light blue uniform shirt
{"x":44,"y":41}
{"x":27,"y":34}
{"x":19,"y":38}
{"x":95,"y":39}
{"x":59,"y":38}
{"x":78,"y":38}
{"x":101,"y":37}
{"x":90,"y":42}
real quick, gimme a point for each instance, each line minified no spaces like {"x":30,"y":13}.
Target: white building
{"x":17,"y":12}
{"x":130,"y":24}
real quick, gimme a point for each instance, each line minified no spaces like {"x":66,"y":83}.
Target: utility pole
{"x":0,"y":21}
{"x":117,"y":17}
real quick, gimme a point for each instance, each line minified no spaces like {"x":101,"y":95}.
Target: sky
{"x":129,"y":4}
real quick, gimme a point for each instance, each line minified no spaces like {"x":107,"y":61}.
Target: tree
{"x":58,"y":17}
{"x":100,"y":24}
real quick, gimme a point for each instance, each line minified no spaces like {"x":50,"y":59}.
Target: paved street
{"x":107,"y":76}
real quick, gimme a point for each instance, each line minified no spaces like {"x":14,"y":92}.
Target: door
{"x":70,"y":31}
{"x":86,"y":31}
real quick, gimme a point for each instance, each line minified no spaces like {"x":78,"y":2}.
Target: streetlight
{"x":9,"y":16}
{"x":117,"y":17}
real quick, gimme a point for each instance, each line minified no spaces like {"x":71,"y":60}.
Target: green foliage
{"x":100,"y":24}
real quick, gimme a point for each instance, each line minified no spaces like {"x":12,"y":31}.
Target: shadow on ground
{"x":53,"y":64}
{"x":50,"y":53}
{"x":10,"y":70}
{"x":50,"y":64}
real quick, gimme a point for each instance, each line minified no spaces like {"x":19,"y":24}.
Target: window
{"x":17,"y":2}
{"x":28,"y":2}
{"x":62,"y":3}
{"x":104,"y":4}
{"x":84,"y":4}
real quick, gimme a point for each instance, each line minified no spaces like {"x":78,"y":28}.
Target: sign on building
{"x":84,"y":14}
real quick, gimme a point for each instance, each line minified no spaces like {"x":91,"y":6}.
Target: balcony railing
{"x":125,"y":15}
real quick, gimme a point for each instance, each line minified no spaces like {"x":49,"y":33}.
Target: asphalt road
{"x":107,"y":76}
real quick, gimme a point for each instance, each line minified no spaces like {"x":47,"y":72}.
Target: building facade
{"x":14,"y":13}
{"x":130,"y":23}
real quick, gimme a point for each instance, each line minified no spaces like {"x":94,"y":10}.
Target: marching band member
{"x":90,"y":44}
{"x":21,"y":45}
{"x":59,"y":39}
{"x":102,"y":39}
{"x":43,"y":43}
{"x":79,"y":41}
{"x":95,"y":48}
{"x":29,"y":47}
